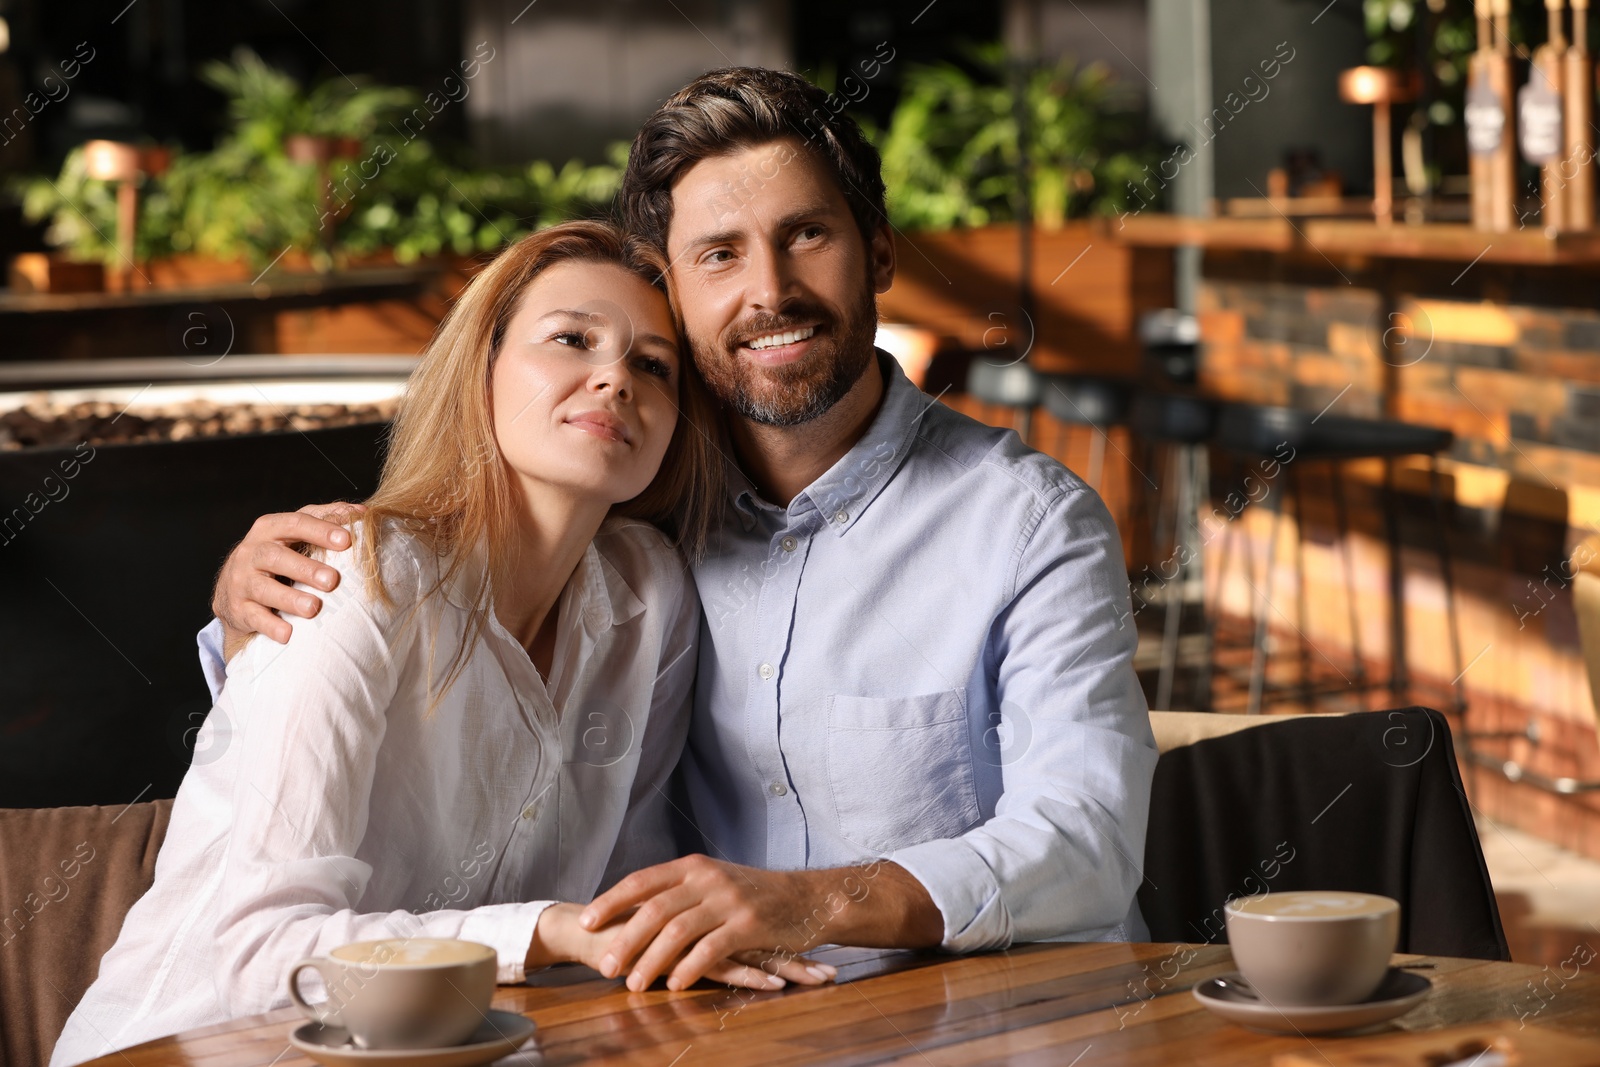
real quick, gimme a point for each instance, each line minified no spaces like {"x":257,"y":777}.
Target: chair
{"x":1370,"y":802}
{"x":1169,"y":342}
{"x":1013,"y":385}
{"x":1179,"y":424}
{"x":1098,"y":403}
{"x":67,"y":877}
{"x":1285,"y":439}
{"x":1174,"y":729}
{"x":1173,"y":424}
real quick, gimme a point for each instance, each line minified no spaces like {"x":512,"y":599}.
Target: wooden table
{"x":1048,"y":1004}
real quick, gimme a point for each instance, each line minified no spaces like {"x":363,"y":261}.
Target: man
{"x":917,"y":722}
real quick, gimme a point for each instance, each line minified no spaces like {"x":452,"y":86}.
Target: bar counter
{"x":1493,"y":336}
{"x":1446,"y":242}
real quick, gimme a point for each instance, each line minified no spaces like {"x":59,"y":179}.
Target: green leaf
{"x":952,"y":149}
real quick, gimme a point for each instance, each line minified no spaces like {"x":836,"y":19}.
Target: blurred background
{"x":1234,"y":261}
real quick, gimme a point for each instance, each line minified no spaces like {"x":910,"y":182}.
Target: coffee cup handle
{"x":314,"y":1012}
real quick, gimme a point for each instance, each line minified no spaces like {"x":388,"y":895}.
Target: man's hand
{"x":695,"y":911}
{"x":558,"y":937}
{"x":248,"y":591}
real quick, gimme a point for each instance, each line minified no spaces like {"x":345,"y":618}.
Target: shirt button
{"x":778,"y":789}
{"x":530,"y":811}
{"x":789,"y":544}
{"x":767,"y":671}
{"x":841,"y":517}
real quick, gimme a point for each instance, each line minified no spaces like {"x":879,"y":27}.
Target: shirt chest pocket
{"x":900,"y":769}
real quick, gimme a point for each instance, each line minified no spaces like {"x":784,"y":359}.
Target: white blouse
{"x":327,"y":804}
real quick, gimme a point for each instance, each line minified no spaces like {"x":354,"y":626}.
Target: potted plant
{"x":316,"y":179}
{"x":954,"y":162}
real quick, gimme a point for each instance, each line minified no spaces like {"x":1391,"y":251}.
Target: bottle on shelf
{"x":1507,"y":193}
{"x":1540,"y":116}
{"x":1490,"y":141}
{"x":1578,"y":96}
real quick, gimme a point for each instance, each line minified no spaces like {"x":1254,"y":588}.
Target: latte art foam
{"x":1312,"y":904}
{"x":412,"y":952}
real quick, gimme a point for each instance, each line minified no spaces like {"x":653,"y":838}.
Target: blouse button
{"x":779,"y":789}
{"x":789,"y":544}
{"x":766,"y":671}
{"x":530,"y":811}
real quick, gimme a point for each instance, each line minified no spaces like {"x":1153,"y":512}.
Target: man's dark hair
{"x":725,"y":110}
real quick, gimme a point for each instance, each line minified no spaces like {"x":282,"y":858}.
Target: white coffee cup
{"x":1312,"y":947}
{"x":414,"y":993}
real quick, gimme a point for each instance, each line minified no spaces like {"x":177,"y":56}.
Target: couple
{"x":889,"y":690}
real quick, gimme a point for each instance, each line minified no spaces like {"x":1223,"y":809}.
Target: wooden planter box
{"x":44,"y":272}
{"x":197,"y":272}
{"x":291,"y":309}
{"x":1089,"y":290}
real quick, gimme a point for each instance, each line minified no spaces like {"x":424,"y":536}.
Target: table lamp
{"x":125,"y":164}
{"x":1380,"y":87}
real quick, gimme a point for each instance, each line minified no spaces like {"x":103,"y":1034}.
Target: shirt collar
{"x":846,"y":489}
{"x":608,"y":600}
{"x":747,"y":503}
{"x":603,"y":597}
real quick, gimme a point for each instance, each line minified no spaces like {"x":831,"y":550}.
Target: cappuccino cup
{"x":1313,"y":948}
{"x":416,"y":992}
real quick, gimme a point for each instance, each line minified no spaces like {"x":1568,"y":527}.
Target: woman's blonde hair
{"x":443,"y":477}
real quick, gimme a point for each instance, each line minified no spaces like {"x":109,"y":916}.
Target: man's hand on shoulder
{"x":251,"y":586}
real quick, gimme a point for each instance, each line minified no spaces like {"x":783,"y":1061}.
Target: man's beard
{"x":797,"y":392}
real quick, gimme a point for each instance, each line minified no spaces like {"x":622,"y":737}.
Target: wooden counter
{"x":1450,"y":242}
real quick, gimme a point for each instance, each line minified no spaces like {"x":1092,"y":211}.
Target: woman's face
{"x":585,"y":388}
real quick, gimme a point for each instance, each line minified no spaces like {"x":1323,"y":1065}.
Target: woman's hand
{"x":560,"y":938}
{"x":769,"y":970}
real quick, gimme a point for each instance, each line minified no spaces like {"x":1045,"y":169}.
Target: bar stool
{"x":1099,"y":403}
{"x":1172,"y":420}
{"x":1013,"y":385}
{"x":1264,"y":433}
{"x":1180,"y":424}
{"x":1170,"y":344}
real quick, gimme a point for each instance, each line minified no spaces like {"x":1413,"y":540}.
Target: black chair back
{"x":1371,"y":802}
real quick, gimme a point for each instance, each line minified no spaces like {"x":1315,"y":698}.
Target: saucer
{"x":500,"y":1034}
{"x":1398,"y":993}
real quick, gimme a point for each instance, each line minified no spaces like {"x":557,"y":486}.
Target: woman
{"x":483,"y":725}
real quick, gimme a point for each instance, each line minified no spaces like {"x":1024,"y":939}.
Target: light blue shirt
{"x":927,"y":657}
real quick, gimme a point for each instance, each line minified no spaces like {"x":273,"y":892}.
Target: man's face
{"x":774,"y":280}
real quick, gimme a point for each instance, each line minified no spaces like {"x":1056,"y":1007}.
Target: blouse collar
{"x":604,"y":599}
